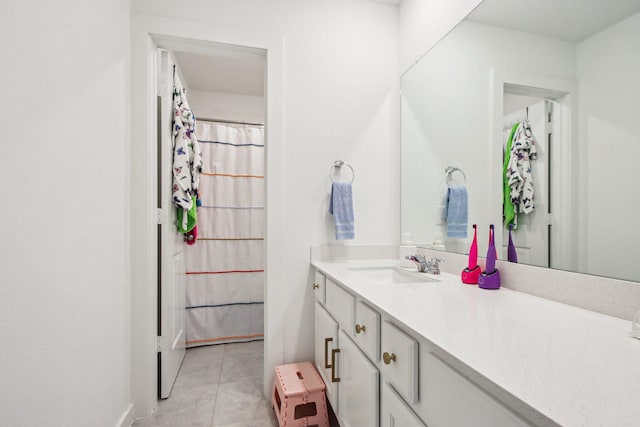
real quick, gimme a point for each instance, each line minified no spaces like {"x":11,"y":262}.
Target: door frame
{"x":147,"y":32}
{"x":498,"y":79}
{"x":534,"y":226}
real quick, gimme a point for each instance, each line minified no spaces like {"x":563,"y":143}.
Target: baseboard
{"x":126,"y":419}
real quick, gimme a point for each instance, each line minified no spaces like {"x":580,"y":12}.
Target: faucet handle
{"x":433,"y":265}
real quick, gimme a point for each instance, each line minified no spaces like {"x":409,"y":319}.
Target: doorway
{"x":538,"y":227}
{"x":147,"y":34}
{"x":211,"y":287}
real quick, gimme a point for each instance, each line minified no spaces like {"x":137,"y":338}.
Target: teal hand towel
{"x":341,"y":207}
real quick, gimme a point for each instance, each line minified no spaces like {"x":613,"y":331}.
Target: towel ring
{"x":338,"y":165}
{"x":450,"y":170}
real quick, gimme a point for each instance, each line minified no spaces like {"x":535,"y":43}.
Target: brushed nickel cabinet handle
{"x":326,"y":352}
{"x":334,"y":379}
{"x":387,"y":358}
{"x":359,"y":328}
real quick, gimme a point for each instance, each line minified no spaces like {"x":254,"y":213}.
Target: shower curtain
{"x":225,"y":268}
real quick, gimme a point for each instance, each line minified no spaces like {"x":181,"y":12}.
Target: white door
{"x":171,"y":260}
{"x":358,"y":387}
{"x":531,"y":238}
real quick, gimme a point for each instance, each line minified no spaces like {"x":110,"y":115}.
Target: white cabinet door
{"x":449,"y":399}
{"x":359,"y":381}
{"x":394,"y":412}
{"x":326,"y":341}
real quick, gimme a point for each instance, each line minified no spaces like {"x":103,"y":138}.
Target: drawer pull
{"x":334,"y":379}
{"x":359,"y":328}
{"x":387,"y":358}
{"x":326,"y":352}
{"x":316,"y":286}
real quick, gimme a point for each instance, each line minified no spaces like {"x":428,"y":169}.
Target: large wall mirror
{"x":570,"y":70}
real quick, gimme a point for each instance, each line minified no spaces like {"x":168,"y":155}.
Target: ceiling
{"x":242,"y":71}
{"x":572,"y":20}
{"x":229,"y":71}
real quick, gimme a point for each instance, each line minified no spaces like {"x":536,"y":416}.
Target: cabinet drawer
{"x":394,"y":412}
{"x":319,"y":286}
{"x":367,"y":330}
{"x":340,"y":304}
{"x":400,"y":361}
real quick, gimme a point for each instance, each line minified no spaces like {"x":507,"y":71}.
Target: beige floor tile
{"x":240,"y":401}
{"x":242,"y":366}
{"x":217,"y":385}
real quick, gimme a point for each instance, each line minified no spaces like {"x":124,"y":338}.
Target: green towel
{"x":191,"y":218}
{"x":508,"y":211}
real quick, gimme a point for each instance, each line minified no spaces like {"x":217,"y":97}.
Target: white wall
{"x":333,"y":96}
{"x":424,"y":22}
{"x":64,"y":299}
{"x":227,"y":106}
{"x":608,"y":66}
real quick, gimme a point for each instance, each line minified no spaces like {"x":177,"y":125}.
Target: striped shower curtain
{"x":225,"y":268}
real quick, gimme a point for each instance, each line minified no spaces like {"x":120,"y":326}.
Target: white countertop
{"x":576,"y":367}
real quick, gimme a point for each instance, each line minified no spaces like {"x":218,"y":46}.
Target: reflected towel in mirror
{"x":456,"y":212}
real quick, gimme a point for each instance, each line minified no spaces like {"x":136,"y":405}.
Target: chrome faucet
{"x":432,"y":266}
{"x":419,"y":260}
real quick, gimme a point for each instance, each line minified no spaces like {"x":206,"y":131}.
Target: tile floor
{"x":218,"y":385}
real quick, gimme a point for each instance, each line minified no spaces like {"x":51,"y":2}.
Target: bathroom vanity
{"x":401,"y":348}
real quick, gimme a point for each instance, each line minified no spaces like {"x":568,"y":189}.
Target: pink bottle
{"x":472,"y":272}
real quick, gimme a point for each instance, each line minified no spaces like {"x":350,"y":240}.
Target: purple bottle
{"x":490,"y":277}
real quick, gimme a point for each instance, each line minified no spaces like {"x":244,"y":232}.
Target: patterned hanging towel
{"x":523,"y":153}
{"x":187,"y":159}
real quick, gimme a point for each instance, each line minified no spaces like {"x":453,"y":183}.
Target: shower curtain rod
{"x":232,"y":122}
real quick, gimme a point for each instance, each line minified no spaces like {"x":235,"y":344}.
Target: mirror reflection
{"x":535,"y":101}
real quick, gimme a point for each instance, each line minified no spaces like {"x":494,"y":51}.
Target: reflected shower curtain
{"x":225,"y":268}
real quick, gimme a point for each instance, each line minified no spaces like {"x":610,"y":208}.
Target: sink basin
{"x":390,"y":275}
